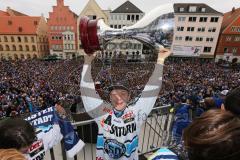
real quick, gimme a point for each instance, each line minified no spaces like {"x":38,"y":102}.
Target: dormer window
{"x":35,"y":23}
{"x":192,"y":8}
{"x":20,"y":29}
{"x":9,"y":23}
{"x":203,"y":9}
{"x":181,"y":9}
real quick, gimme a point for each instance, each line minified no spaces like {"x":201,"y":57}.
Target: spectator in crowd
{"x":232,"y":102}
{"x":213,"y":136}
{"x":11,"y":154}
{"x":16,"y":133}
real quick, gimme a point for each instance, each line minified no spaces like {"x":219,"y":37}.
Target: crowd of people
{"x":32,"y":85}
{"x":28,"y":86}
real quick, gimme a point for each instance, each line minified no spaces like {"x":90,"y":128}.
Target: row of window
{"x":62,"y":28}
{"x":16,"y":56}
{"x":69,"y":47}
{"x":233,"y":38}
{"x":191,"y":9}
{"x":11,"y":22}
{"x":21,"y":48}
{"x":57,"y":47}
{"x":128,"y":17}
{"x":134,"y":46}
{"x":22,"y":39}
{"x":199,"y":29}
{"x":235,"y":29}
{"x":230,"y":50}
{"x":17,"y":39}
{"x":201,"y":19}
{"x":117,"y":26}
{"x":190,"y":38}
{"x":66,"y":37}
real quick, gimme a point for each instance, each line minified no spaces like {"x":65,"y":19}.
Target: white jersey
{"x":118,"y":137}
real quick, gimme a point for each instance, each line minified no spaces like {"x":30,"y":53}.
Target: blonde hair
{"x":11,"y":154}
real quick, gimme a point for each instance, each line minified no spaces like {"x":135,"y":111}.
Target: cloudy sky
{"x":36,"y":7}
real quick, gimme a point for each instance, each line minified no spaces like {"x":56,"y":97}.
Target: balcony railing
{"x":155,"y":133}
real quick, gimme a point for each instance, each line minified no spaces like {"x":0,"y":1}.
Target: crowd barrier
{"x":155,"y":133}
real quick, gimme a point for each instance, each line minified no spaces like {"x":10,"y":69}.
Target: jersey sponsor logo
{"x":124,"y":130}
{"x":114,"y":149}
{"x":128,"y":117}
{"x":36,"y":151}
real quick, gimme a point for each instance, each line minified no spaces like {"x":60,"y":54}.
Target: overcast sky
{"x":36,"y":7}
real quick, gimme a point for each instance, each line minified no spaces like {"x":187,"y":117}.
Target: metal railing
{"x":155,"y":133}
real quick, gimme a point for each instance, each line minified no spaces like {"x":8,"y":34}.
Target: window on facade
{"x":214,"y":19}
{"x":5,"y":39}
{"x":128,"y":17}
{"x":9,"y":23}
{"x":33,"y":48}
{"x":207,"y":49}
{"x":181,"y":9}
{"x":225,"y":50}
{"x":12,"y":39}
{"x":180,"y":28}
{"x":111,"y":26}
{"x":19,"y":39}
{"x":32,"y":39}
{"x":237,"y":39}
{"x":7,"y":48}
{"x":20,"y":29}
{"x":228,"y":38}
{"x":203,"y":19}
{"x":234,"y":51}
{"x":192,"y":19}
{"x":190,"y":29}
{"x":1,"y":47}
{"x":192,"y":8}
{"x":213,"y":29}
{"x":201,"y":29}
{"x":94,"y":17}
{"x":178,"y":38}
{"x":133,"y":18}
{"x":26,"y":39}
{"x":188,"y":38}
{"x":235,"y":29}
{"x":203,"y":9}
{"x":20,"y":48}
{"x":119,"y":26}
{"x":35,"y":23}
{"x":115,"y":26}
{"x":27,"y":48}
{"x":209,"y":39}
{"x":14,"y":48}
{"x":199,"y":38}
{"x":181,"y":19}
{"x":137,"y":17}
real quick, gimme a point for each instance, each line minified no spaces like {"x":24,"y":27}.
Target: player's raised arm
{"x":152,"y":88}
{"x":90,"y":98}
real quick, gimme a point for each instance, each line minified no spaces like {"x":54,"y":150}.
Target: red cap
{"x":88,"y":35}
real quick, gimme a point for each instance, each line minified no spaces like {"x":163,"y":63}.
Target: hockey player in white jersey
{"x":119,"y":123}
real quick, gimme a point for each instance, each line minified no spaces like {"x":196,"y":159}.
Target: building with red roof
{"x":229,"y":42}
{"x":62,"y":31}
{"x":22,"y":36}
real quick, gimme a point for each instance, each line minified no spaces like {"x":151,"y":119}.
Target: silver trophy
{"x":154,"y":30}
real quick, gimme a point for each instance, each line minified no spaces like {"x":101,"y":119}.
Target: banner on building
{"x":189,"y":51}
